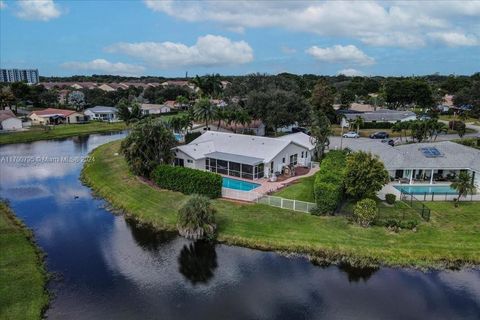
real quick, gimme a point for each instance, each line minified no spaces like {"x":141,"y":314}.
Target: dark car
{"x":379,"y":135}
{"x":391,"y":142}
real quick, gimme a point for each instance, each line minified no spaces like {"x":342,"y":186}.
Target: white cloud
{"x":42,"y":10}
{"x":3,"y":5}
{"x":454,"y":39}
{"x":350,"y":72}
{"x":377,"y":23}
{"x":208,"y":51}
{"x":103,"y":65}
{"x":340,"y":54}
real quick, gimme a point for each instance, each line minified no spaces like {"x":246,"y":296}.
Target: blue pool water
{"x":178,"y":136}
{"x":427,"y":189}
{"x":238,"y":184}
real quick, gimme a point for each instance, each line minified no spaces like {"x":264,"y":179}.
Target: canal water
{"x":108,"y":268}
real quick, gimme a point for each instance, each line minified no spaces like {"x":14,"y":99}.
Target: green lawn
{"x":22,"y":275}
{"x":449,"y":117}
{"x":449,"y":239}
{"x":60,"y":131}
{"x":301,"y":190}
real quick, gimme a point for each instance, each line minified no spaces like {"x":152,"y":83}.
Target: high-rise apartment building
{"x":19,"y":75}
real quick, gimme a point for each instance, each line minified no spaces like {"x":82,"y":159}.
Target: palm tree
{"x":464,"y":184}
{"x":196,"y":218}
{"x":220,"y":115}
{"x":204,"y":111}
{"x":397,"y":127}
{"x":358,"y":122}
{"x":242,"y":118}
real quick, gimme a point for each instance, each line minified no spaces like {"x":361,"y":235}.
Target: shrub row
{"x":329,"y":182}
{"x":397,"y":224}
{"x":377,"y":125}
{"x":188,"y":180}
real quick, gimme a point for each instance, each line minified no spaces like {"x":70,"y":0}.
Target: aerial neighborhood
{"x":239,"y":159}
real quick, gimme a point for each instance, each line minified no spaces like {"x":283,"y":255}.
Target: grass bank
{"x":22,"y":274}
{"x":302,"y":190}
{"x":449,"y":239}
{"x":60,"y":131}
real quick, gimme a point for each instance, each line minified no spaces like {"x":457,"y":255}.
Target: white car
{"x":351,"y":134}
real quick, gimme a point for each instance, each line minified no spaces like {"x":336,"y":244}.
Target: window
{"x":302,"y":154}
{"x":283,"y":160}
{"x":189,"y":161}
{"x":293,"y":159}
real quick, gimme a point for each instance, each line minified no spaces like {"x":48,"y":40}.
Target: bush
{"x":397,"y":224}
{"x":328,"y":185}
{"x":365,"y":212}
{"x":377,"y":125}
{"x":188,"y":180}
{"x":196,"y":218}
{"x":190,"y":136}
{"x":390,"y":198}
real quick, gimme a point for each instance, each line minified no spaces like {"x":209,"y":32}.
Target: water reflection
{"x":117,"y":269}
{"x":197,"y":261}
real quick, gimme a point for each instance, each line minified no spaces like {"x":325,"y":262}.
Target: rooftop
{"x":53,"y":112}
{"x":102,"y":109}
{"x":382,"y":115}
{"x":251,"y":148}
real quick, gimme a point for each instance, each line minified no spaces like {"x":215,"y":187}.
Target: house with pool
{"x":245,"y":156}
{"x":421,"y":168}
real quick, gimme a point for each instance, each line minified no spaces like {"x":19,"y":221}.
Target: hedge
{"x":377,"y":125}
{"x":188,"y":181}
{"x":329,"y":180}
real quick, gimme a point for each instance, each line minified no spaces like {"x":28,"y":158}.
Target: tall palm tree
{"x":358,"y":122}
{"x":220,"y":115}
{"x":243,"y":118}
{"x":204,"y":111}
{"x":464,"y":184}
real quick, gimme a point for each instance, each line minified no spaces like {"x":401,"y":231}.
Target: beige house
{"x":52,"y":116}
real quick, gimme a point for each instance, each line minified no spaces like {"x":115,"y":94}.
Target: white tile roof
{"x":242,"y":145}
{"x":409,"y":156}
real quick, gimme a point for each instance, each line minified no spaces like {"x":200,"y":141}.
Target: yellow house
{"x":56,"y":116}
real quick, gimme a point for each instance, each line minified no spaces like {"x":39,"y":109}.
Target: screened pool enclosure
{"x":235,"y":166}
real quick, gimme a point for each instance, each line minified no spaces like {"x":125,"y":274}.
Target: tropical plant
{"x":357,"y":123}
{"x":390,"y":198}
{"x":365,"y":175}
{"x":128,"y":112}
{"x":196,"y":218}
{"x":148,"y":144}
{"x":463,"y":184}
{"x":76,"y":99}
{"x":204,"y":111}
{"x":365,"y":212}
{"x":320,"y":130}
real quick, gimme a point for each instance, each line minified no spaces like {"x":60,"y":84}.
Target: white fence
{"x":289,"y":204}
{"x":273,"y":201}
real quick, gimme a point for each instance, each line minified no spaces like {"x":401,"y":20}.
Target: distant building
{"x":382,"y":115}
{"x":52,"y":116}
{"x":102,"y":113}
{"x":8,"y":121}
{"x":19,"y":75}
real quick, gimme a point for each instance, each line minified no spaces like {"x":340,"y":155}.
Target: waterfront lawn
{"x":22,"y":275}
{"x":302,"y":190}
{"x":60,"y":131}
{"x":449,"y":239}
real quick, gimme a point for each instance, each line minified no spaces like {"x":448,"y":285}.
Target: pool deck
{"x":390,"y":188}
{"x":266,"y":187}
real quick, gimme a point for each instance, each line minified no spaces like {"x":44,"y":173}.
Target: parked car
{"x":299,"y":129}
{"x":379,"y":135}
{"x":351,"y":134}
{"x":389,"y":141}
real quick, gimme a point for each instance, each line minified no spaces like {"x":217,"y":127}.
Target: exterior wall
{"x":11,"y":124}
{"x":98,"y":116}
{"x":37,"y":120}
{"x":476,"y":180}
{"x":189,"y":162}
{"x":75,"y":118}
{"x":291,"y":149}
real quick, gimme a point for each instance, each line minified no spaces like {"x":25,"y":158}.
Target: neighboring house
{"x":106,"y":87}
{"x":8,"y":121}
{"x":102,"y":113}
{"x":256,"y":127}
{"x":172,"y":104}
{"x":382,"y":115}
{"x":218,"y":103}
{"x":245,"y":156}
{"x":148,"y":108}
{"x":420,"y":162}
{"x":56,"y":116}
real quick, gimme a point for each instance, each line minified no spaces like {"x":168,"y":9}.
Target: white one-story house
{"x":382,"y":115}
{"x":8,"y":121}
{"x":149,"y":108}
{"x":245,"y":156}
{"x":102,"y":113}
{"x":425,"y":163}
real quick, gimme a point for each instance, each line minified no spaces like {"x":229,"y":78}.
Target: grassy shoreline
{"x":60,"y":131}
{"x":449,"y":240}
{"x":23,"y":276}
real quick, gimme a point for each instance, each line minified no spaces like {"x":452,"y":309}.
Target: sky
{"x":170,"y":38}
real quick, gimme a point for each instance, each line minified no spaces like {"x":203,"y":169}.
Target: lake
{"x":106,"y":267}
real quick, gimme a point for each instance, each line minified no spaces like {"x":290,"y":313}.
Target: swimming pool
{"x":427,"y":189}
{"x":238,"y":184}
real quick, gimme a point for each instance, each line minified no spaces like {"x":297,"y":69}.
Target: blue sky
{"x":168,"y":38}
